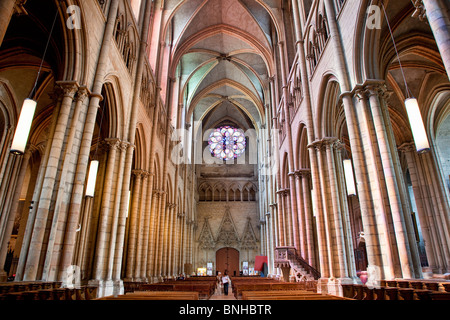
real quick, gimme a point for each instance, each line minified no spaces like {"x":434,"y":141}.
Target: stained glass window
{"x":227,"y":143}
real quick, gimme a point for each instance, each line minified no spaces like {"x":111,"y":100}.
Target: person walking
{"x":226,"y":282}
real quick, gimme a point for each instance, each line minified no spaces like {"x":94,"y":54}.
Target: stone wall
{"x":213,"y":214}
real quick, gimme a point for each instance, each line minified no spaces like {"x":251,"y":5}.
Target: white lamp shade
{"x":349,"y":178}
{"x":92,"y":178}
{"x":417,"y":127}
{"x":23,"y":127}
{"x":129,"y":202}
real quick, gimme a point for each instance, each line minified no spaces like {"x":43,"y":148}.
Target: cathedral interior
{"x":144,"y":139}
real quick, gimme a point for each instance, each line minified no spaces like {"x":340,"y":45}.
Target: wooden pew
{"x":239,"y":288}
{"x":399,"y":289}
{"x":288,"y":295}
{"x":48,"y":291}
{"x":205,"y":290}
{"x":155,"y":295}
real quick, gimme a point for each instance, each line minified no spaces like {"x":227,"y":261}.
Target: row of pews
{"x":288,"y":295}
{"x":154,"y":295}
{"x":192,"y":288}
{"x":40,"y":290}
{"x":399,"y":290}
{"x":271,"y":289}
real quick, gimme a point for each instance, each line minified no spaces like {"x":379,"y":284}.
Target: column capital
{"x":156,"y":193}
{"x":138,"y":173}
{"x":303,"y":173}
{"x":315,"y":145}
{"x":112,"y":143}
{"x":123,"y":145}
{"x":407,"y":147}
{"x":329,"y":142}
{"x":82,"y":94}
{"x":421,"y":11}
{"x":339,"y":145}
{"x":69,"y":88}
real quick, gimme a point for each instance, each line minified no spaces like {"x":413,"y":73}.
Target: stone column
{"x":347,"y":231}
{"x":309,"y":225}
{"x":40,"y":225}
{"x":323,"y":225}
{"x":148,"y":196}
{"x":431,"y":210}
{"x":301,"y":219}
{"x":133,"y":216}
{"x":336,"y":205}
{"x":62,"y":196}
{"x":6,"y":12}
{"x":140,"y":226}
{"x":288,"y":228}
{"x":161,"y":234}
{"x":280,"y":216}
{"x":105,"y":219}
{"x":376,"y":229}
{"x":401,"y":234}
{"x":117,"y":228}
{"x":130,"y":125}
{"x":68,"y":245}
{"x":171,"y":216}
{"x":57,"y":97}
{"x":152,"y":234}
{"x":423,"y":207}
{"x":438,"y":14}
{"x":440,"y":207}
{"x":90,"y":121}
{"x":7,"y":224}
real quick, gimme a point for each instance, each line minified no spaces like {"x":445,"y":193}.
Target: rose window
{"x":227,"y":143}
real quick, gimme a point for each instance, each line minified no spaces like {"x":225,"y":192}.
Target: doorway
{"x":227,"y":259}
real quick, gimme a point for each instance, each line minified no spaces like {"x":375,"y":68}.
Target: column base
{"x":333,"y":286}
{"x":108,"y":287}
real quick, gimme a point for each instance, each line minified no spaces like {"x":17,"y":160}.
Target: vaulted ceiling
{"x":221,"y":50}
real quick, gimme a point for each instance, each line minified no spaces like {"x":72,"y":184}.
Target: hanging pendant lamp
{"x":23,"y":128}
{"x":349,"y":178}
{"x":417,"y":126}
{"x":412,"y":106}
{"x":92,"y":178}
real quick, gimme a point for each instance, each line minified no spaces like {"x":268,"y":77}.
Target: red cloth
{"x":259,"y":262}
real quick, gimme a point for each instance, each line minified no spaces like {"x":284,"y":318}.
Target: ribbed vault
{"x":221,"y":50}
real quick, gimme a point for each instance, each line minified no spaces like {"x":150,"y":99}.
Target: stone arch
{"x":326,"y":107}
{"x":140,"y":148}
{"x":157,"y":173}
{"x":249,"y":192}
{"x":235,"y":192}
{"x":220,"y":192}
{"x":301,"y":156}
{"x":76,"y":42}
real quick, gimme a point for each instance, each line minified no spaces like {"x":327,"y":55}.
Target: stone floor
{"x":221,"y":296}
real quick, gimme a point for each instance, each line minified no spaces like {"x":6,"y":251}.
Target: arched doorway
{"x":227,"y":259}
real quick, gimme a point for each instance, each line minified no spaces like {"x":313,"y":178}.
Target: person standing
{"x":226,"y":282}
{"x":219,"y":283}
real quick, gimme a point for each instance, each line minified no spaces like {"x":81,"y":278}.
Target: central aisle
{"x":222,"y":296}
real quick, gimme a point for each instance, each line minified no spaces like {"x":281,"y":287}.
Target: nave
{"x":302,"y":141}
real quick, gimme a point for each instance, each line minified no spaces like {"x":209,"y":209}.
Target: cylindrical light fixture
{"x":417,"y":126}
{"x":349,"y":178}
{"x":129,"y":202}
{"x":92,"y":178}
{"x":28,"y":108}
{"x":23,"y":127}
